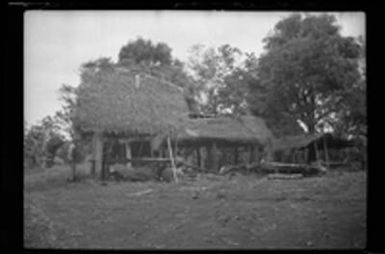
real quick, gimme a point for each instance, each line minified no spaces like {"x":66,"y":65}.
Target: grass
{"x":211,"y":212}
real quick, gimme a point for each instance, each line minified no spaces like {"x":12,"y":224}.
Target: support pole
{"x":98,"y":153}
{"x":198,"y":151}
{"x":93,"y":174}
{"x":128,"y":154}
{"x":316,"y":152}
{"x":252,"y":154}
{"x":172,"y":159}
{"x":235,"y":155}
{"x":214,"y":154}
{"x":326,"y":152}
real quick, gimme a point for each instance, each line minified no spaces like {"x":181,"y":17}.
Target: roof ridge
{"x":125,"y":70}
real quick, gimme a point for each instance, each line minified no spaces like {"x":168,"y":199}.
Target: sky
{"x":56,"y":43}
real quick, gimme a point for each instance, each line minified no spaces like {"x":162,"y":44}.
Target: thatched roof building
{"x":245,"y":135}
{"x":309,"y":140}
{"x":227,"y":130}
{"x":121,"y":102}
{"x":309,"y":147}
{"x":123,"y":106}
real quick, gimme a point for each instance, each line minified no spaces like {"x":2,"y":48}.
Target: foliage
{"x":305,"y":71}
{"x":145,"y":52}
{"x":216,"y":72}
{"x":41,"y":142}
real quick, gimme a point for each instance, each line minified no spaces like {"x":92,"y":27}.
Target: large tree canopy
{"x":216,"y":72}
{"x":305,"y":71}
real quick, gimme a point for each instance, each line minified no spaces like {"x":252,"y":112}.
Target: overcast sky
{"x":56,"y":43}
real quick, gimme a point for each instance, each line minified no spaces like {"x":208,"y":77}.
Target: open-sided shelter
{"x":308,"y":147}
{"x":248,"y":133}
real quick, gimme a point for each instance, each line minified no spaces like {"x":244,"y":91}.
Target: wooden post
{"x":98,"y":153}
{"x":316,"y":152}
{"x":128,"y":153}
{"x":326,"y":152}
{"x":235,"y":155}
{"x":214,"y":154}
{"x":307,"y":155}
{"x":198,"y":152}
{"x":93,"y":155}
{"x":172,"y":159}
{"x":252,"y":153}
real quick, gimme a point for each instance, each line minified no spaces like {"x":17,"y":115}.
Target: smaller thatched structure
{"x":226,"y":130}
{"x":220,"y":133}
{"x":310,"y":145}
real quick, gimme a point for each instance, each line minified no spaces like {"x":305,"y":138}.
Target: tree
{"x":305,"y":71}
{"x":214,"y":71}
{"x":41,"y":142}
{"x":352,"y":114}
{"x":144,"y":52}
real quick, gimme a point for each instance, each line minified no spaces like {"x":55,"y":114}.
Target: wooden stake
{"x":198,"y":151}
{"x":93,"y":155}
{"x":316,"y":152}
{"x":172,"y":159}
{"x":326,"y":152}
{"x":128,"y":153}
{"x":98,"y":153}
{"x":252,"y":153}
{"x":235,"y":155}
{"x":214,"y":154}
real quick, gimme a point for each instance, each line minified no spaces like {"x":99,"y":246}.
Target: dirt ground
{"x":212,"y":212}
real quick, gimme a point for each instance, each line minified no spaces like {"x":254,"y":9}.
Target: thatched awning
{"x":308,"y":140}
{"x":118,"y":101}
{"x":243,"y":130}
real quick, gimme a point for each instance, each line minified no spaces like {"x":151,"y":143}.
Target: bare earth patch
{"x":241,"y":213}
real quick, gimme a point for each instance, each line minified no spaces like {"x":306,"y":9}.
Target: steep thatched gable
{"x":118,"y":101}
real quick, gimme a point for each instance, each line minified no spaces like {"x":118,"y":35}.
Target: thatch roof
{"x":242,"y":130}
{"x":308,"y":140}
{"x":118,"y":101}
